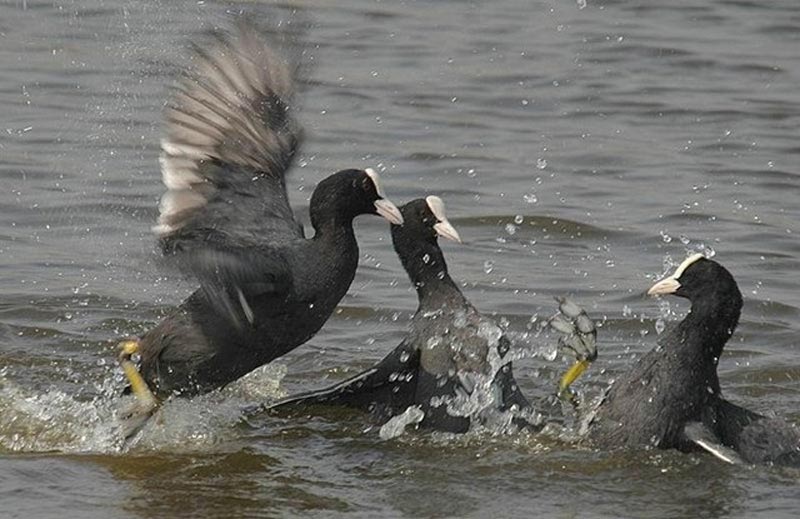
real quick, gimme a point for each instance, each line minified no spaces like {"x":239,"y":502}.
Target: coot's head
{"x":716,"y":306}
{"x":416,"y":242}
{"x":349,"y":193}
{"x":715,"y":296}
{"x":697,"y":278}
{"x":425,"y":220}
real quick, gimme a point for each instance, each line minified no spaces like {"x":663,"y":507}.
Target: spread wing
{"x":229,"y":140}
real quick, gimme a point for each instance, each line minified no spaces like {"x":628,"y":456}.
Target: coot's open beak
{"x":389,"y":211}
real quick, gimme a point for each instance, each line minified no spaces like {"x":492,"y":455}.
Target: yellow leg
{"x":571,"y":376}
{"x":139,"y":387}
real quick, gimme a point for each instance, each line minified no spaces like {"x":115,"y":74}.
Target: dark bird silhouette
{"x":452,"y":369}
{"x":225,"y":220}
{"x":671,"y":397}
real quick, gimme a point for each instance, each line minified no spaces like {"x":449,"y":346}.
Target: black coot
{"x":671,"y":398}
{"x":225,"y":219}
{"x":452,"y":366}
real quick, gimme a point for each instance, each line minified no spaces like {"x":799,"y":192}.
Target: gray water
{"x":580,"y":150}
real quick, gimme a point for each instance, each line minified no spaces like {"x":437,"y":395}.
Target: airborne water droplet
{"x":660,"y":325}
{"x":488,"y":266}
{"x":530,"y":198}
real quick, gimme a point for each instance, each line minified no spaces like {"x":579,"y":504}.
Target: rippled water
{"x":579,"y":150}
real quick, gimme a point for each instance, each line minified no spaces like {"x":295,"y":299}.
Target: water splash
{"x":477,"y":395}
{"x":58,"y":420}
{"x":396,"y":426}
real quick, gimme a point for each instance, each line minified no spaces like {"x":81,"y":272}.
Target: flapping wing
{"x":235,"y":279}
{"x":230,"y":139}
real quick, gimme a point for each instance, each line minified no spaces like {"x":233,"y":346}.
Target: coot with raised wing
{"x":225,"y":220}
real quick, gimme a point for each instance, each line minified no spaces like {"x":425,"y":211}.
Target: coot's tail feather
{"x":757,"y":438}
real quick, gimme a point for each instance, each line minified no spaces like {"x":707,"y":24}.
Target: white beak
{"x":666,"y":286}
{"x":443,"y":227}
{"x":446,"y":230}
{"x":388,"y":210}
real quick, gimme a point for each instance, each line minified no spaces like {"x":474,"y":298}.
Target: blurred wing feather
{"x":229,"y":141}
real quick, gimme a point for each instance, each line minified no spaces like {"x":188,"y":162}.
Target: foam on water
{"x":396,"y":425}
{"x":55,"y":420}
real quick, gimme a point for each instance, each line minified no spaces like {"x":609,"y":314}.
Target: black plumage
{"x":671,"y":398}
{"x":453,"y":362}
{"x":225,"y":220}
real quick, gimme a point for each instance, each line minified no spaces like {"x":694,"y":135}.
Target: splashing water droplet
{"x":511,"y":229}
{"x":488,"y":266}
{"x":530,"y":198}
{"x":660,"y":325}
{"x":581,"y":4}
{"x":541,"y":163}
{"x":396,"y":426}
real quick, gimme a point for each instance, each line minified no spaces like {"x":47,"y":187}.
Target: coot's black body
{"x":453,"y":362}
{"x":226,"y":220}
{"x":671,"y":398}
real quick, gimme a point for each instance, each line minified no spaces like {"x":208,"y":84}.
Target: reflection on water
{"x":579,"y":150}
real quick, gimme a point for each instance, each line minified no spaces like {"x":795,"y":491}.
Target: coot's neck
{"x":425,"y":265}
{"x":331,"y":224}
{"x":711,"y":322}
{"x":334,"y":230}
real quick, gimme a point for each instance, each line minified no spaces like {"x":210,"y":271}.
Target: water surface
{"x":579,"y":151}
